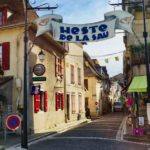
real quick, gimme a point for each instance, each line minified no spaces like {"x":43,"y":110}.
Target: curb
{"x":36,"y":139}
{"x":142,"y":139}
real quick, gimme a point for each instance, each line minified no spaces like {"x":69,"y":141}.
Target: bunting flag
{"x":97,"y":31}
{"x":117,"y":58}
{"x":127,"y":54}
{"x":96,"y":61}
{"x":86,"y":63}
{"x":106,"y":60}
{"x":44,"y":23}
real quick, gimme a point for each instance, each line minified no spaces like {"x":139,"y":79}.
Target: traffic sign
{"x":13,"y":122}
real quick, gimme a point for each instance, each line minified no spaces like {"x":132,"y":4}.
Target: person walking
{"x":88,"y":115}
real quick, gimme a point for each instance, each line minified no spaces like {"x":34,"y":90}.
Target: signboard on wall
{"x":39,"y":69}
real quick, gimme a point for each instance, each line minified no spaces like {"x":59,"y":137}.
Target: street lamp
{"x":24,"y":131}
{"x":41,"y":56}
{"x":145,"y":34}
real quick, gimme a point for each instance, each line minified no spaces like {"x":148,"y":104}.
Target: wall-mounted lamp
{"x":41,"y":56}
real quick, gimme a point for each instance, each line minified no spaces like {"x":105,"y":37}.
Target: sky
{"x":90,"y":11}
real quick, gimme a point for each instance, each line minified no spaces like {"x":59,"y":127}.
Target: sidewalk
{"x":14,"y":140}
{"x":127,"y":135}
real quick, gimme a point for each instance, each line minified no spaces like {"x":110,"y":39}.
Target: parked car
{"x":117,"y":106}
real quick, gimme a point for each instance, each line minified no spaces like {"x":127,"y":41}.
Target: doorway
{"x":86,"y":102}
{"x":68,"y":106}
{"x":2,"y":110}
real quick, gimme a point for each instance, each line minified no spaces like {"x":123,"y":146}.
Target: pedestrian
{"x":88,"y":115}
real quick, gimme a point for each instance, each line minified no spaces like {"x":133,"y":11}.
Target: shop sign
{"x":39,"y":79}
{"x":39,"y":69}
{"x":141,"y":121}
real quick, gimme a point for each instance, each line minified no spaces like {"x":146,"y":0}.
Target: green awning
{"x":138,"y":84}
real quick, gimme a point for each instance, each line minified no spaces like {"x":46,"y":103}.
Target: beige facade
{"x":93,"y":95}
{"x":14,"y":35}
{"x":52,"y":117}
{"x":74,"y":72}
{"x":96,"y":86}
{"x":54,"y":114}
{"x":134,"y":64}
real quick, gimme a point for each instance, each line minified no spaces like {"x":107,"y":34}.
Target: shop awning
{"x":138,"y":84}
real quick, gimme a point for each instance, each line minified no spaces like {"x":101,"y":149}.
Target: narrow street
{"x":100,"y":134}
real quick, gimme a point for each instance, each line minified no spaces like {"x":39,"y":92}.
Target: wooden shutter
{"x":56,"y":66}
{"x":57,"y":100}
{"x":6,"y":56}
{"x":45,"y":101}
{"x":62,"y":101}
{"x":36,"y":103}
{"x":4,"y":14}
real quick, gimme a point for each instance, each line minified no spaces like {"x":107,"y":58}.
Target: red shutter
{"x":57,"y":100}
{"x":45,"y":101}
{"x":36,"y":103}
{"x":62,"y":101}
{"x":6,"y":55}
{"x":4,"y":14}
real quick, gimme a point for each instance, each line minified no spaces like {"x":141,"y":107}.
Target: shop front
{"x":137,"y":104}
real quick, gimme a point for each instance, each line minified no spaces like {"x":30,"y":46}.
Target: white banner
{"x":87,"y":32}
{"x":83,"y":33}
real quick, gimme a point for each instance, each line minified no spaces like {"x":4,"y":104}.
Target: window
{"x":3,"y":16}
{"x":72,"y":74}
{"x":79,"y":76}
{"x":59,"y":101}
{"x":86,"y":84}
{"x":59,"y":67}
{"x":73,"y":103}
{"x":5,"y":55}
{"x":80,"y":102}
